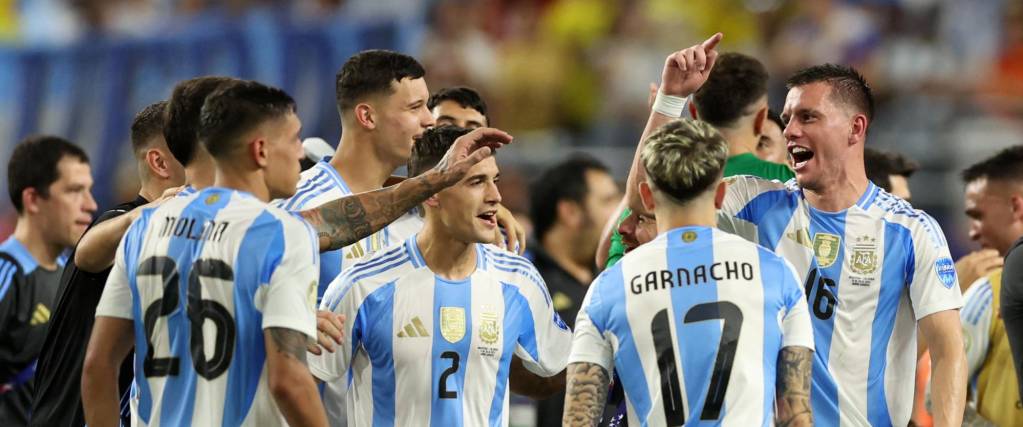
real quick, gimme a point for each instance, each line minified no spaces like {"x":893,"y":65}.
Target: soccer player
{"x":58,"y":399}
{"x":49,"y":182}
{"x":458,"y":106}
{"x":433,"y":322}
{"x":382,"y":97}
{"x":873,"y":267}
{"x":994,"y":188}
{"x":655,"y":315}
{"x":227,"y":345}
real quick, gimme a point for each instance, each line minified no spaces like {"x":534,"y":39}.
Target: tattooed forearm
{"x":289,"y":343}
{"x":793,"y":387}
{"x":344,"y":221}
{"x":586,"y":395}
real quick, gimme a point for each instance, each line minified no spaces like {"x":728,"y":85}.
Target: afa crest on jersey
{"x":452,"y":323}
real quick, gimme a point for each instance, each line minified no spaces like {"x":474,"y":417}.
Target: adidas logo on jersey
{"x":40,"y":316}
{"x":413,"y":329}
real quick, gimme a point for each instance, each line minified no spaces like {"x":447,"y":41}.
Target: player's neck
{"x":839,"y":194}
{"x":560,"y":246}
{"x":251,"y":182}
{"x":697,"y":213}
{"x":740,"y":140}
{"x":200,"y":172}
{"x":447,"y":257}
{"x":30,"y":236}
{"x":359,"y":164}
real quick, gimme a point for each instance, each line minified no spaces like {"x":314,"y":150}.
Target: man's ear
{"x":365,"y":116}
{"x":569,"y":213}
{"x":859,"y":128}
{"x":259,"y":151}
{"x":759,"y":120}
{"x":30,"y":198}
{"x":1017,"y":207}
{"x":157,"y":163}
{"x":719,"y":194}
{"x":646,"y":196}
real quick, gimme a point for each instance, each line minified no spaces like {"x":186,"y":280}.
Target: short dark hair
{"x":147,"y":124}
{"x":1006,"y":165}
{"x":847,"y":85}
{"x":371,"y":72}
{"x":465,"y":96}
{"x":773,"y":116}
{"x":181,"y":122}
{"x":881,"y":165}
{"x":236,"y":108}
{"x":34,"y":165}
{"x":428,"y":150}
{"x":563,"y":181}
{"x":735,"y":83}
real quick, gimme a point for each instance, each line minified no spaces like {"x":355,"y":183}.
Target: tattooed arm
{"x":792,"y":401}
{"x":586,"y":395}
{"x":342,"y":222}
{"x":290,"y":383}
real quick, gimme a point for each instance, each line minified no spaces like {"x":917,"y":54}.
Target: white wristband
{"x":670,"y":105}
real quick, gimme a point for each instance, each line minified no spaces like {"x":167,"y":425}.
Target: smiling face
{"x":467,"y":211}
{"x":401,"y":118}
{"x":989,"y":205}
{"x":820,"y":136}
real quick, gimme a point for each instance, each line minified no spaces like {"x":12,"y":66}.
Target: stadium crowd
{"x":760,"y":263}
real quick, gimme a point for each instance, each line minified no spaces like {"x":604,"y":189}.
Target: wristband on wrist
{"x":670,"y":105}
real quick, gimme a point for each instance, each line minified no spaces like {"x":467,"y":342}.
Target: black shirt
{"x":1012,"y":306}
{"x":567,"y":294}
{"x":58,"y":399}
{"x":27,"y":296}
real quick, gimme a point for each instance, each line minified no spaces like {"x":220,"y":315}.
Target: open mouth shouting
{"x":800,"y":155}
{"x":489,"y":218}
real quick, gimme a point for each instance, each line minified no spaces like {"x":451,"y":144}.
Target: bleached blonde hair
{"x":684,"y":158}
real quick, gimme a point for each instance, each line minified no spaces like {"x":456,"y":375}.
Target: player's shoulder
{"x":384,"y":266}
{"x":503,"y":262}
{"x":977,"y":300}
{"x":922,"y":227}
{"x":314,"y":185}
{"x":757,"y":184}
{"x":10,"y":265}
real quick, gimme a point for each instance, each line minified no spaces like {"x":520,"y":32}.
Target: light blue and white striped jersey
{"x":320,"y":184}
{"x":870,"y":273}
{"x":423,"y":350}
{"x":205,"y":275}
{"x":976,"y":318}
{"x":693,"y":323}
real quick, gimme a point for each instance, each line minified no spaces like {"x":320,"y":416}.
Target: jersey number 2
{"x":671,"y":393}
{"x":198,"y":310}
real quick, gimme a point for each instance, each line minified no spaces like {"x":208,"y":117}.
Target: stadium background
{"x":560,"y":75}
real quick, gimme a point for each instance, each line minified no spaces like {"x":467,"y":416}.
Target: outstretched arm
{"x":342,"y":222}
{"x":792,"y":401}
{"x":586,"y":395}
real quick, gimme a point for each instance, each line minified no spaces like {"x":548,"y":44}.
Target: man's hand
{"x":329,"y":327}
{"x":686,"y":70}
{"x":975,"y":265}
{"x":516,"y":240}
{"x":468,"y":150}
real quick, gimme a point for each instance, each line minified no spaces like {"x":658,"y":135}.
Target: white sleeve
{"x":741,"y":189}
{"x":546,"y":353}
{"x":290,"y":298}
{"x":116,"y":300}
{"x":796,"y":328}
{"x":589,"y":343}
{"x":976,"y":319}
{"x":329,"y":367}
{"x":934,"y":286}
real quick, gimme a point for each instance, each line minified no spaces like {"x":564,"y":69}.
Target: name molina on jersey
{"x":667,"y":279}
{"x":191,"y":228}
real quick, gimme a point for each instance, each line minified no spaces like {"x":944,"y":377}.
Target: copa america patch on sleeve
{"x":946,"y":270}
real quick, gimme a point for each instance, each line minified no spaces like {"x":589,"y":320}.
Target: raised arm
{"x":344,"y":221}
{"x":943,"y":333}
{"x":792,"y":400}
{"x":96,"y":248}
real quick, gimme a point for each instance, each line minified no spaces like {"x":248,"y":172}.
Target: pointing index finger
{"x":712,"y":42}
